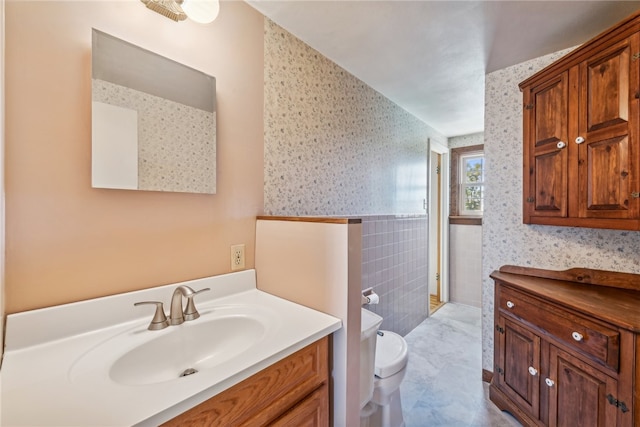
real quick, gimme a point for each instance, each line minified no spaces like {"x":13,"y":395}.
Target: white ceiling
{"x":430,"y":57}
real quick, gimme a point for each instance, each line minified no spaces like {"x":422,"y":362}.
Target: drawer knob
{"x":510,"y":304}
{"x":561,"y":145}
{"x":533,"y":371}
{"x":549,"y":382}
{"x":579,"y":140}
{"x":577,"y":336}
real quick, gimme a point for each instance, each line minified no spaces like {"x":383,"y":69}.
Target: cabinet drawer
{"x":597,"y":341}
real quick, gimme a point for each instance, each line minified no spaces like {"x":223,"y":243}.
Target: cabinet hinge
{"x":635,"y":56}
{"x":636,"y":194}
{"x":499,"y":329}
{"x":437,"y":276}
{"x":499,"y":370}
{"x":528,"y":107}
{"x":531,"y":199}
{"x":618,"y":404}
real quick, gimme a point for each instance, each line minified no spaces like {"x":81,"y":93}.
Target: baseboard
{"x":487,"y":376}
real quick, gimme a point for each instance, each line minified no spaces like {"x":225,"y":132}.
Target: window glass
{"x":471,"y":184}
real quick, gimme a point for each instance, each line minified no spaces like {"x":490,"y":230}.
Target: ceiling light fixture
{"x":200,"y":11}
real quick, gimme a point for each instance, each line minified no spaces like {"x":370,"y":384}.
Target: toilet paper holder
{"x":370,"y":297}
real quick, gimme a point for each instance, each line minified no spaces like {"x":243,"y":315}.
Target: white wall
{"x":505,"y":239}
{"x":465,"y":263}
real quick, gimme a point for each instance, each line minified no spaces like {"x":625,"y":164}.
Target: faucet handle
{"x":159,"y":320}
{"x":190,"y":312}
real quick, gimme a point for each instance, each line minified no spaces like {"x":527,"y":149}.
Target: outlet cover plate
{"x":237,"y":257}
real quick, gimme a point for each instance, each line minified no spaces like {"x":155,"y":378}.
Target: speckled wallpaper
{"x":176,"y":142}
{"x":333,"y":145}
{"x":466,"y":140}
{"x":505,"y":239}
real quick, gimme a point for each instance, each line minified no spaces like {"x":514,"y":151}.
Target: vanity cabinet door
{"x":578,"y":393}
{"x":311,"y":412}
{"x":518,"y":365}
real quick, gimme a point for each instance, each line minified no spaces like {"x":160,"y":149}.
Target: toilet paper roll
{"x":373,"y":298}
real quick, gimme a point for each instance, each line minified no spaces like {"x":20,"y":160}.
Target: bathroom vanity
{"x":250,"y":358}
{"x":292,"y":392}
{"x":567,"y":347}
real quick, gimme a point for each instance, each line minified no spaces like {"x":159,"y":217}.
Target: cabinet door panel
{"x":607,"y":176}
{"x":551,"y":188}
{"x":550,"y":112}
{"x":578,"y":396}
{"x":521,"y":349}
{"x":606,"y":87}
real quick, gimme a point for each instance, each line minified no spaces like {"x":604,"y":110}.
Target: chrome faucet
{"x":177,"y":315}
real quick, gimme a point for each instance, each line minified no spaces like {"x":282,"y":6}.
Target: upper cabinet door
{"x":546,"y":112}
{"x":607,"y":133}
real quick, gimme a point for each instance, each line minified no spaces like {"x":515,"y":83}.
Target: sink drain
{"x":187,"y":372}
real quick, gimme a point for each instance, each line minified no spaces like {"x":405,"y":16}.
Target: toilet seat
{"x":392,"y":354}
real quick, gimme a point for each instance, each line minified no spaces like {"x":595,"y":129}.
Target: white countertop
{"x":45,"y":379}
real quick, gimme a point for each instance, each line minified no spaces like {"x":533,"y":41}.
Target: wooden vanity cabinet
{"x":565,"y":347}
{"x":292,"y":392}
{"x":582,"y":135}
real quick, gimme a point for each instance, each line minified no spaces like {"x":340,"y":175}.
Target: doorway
{"x":438,"y":235}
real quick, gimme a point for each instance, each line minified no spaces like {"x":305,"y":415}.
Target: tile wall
{"x":394,"y":264}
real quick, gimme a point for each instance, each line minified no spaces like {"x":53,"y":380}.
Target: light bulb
{"x":201,"y":11}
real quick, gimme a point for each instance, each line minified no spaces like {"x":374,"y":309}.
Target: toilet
{"x":392,"y":354}
{"x":383,"y":362}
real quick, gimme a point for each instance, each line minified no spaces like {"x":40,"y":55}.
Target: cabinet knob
{"x":549,"y":382}
{"x":533,"y":371}
{"x":579,"y":140}
{"x":510,"y":304}
{"x":561,"y":144}
{"x":577,"y":336}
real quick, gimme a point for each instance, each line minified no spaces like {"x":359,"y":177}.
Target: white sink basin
{"x":142,"y":357}
{"x":195,"y":346}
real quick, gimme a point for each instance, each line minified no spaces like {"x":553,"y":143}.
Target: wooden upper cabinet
{"x":582,"y":135}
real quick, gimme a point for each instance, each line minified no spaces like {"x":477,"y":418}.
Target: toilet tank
{"x":370,"y":323}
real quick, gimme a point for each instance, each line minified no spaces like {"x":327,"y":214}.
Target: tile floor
{"x":443,"y":384}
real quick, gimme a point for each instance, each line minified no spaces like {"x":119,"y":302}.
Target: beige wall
{"x":2,"y":214}
{"x":66,"y":241}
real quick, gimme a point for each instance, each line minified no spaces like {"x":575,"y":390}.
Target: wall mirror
{"x":153,"y":121}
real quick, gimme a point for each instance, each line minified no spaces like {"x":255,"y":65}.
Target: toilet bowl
{"x":390,"y":368}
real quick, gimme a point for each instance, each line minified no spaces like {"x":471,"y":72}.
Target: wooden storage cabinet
{"x":582,"y":135}
{"x":565,"y":347}
{"x":292,"y":392}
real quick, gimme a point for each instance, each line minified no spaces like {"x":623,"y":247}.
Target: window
{"x":467,"y":185}
{"x":471,"y":184}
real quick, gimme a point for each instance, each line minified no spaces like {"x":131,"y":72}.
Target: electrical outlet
{"x":237,"y":257}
